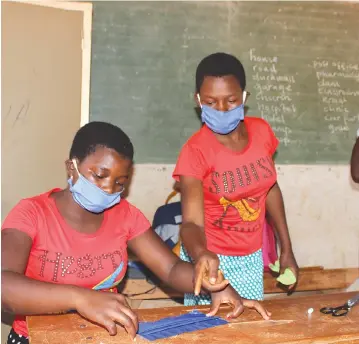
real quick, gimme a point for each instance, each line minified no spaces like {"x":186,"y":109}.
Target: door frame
{"x":86,"y":8}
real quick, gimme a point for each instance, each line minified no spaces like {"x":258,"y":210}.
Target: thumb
{"x":282,"y":268}
{"x":213,"y":271}
{"x":237,"y":310}
{"x":214,"y":308}
{"x":110,"y":327}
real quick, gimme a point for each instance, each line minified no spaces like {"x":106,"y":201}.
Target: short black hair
{"x":100,"y":134}
{"x":220,"y":64}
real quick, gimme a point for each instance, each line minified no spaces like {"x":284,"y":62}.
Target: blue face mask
{"x":90,"y":197}
{"x":222,"y":122}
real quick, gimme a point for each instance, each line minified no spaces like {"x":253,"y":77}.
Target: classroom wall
{"x":41,"y":104}
{"x":321,"y":204}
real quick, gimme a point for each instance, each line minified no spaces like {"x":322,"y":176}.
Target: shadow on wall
{"x":7,"y":318}
{"x":127,"y":190}
{"x":353,"y":185}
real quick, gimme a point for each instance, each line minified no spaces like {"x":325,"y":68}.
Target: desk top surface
{"x":290,"y":323}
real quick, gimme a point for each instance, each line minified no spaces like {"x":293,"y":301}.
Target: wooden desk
{"x":290,"y":324}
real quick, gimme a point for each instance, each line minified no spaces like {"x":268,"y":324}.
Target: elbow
{"x":5,"y":307}
{"x":7,"y":304}
{"x":355,"y":176}
{"x":170,"y":278}
{"x":354,"y":171}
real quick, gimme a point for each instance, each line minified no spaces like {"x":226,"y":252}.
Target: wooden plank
{"x":290,"y":324}
{"x":310,"y":279}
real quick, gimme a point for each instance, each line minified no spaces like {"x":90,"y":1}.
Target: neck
{"x":237,"y":135}
{"x":71,"y":210}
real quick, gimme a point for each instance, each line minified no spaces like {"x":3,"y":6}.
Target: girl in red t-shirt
{"x":228,"y":181}
{"x":59,"y":249}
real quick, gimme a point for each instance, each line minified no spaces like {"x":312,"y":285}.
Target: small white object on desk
{"x":310,"y":310}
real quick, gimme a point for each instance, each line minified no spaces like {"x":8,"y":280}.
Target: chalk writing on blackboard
{"x":334,"y":94}
{"x":273,"y":94}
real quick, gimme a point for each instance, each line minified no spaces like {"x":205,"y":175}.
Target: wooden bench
{"x":310,"y":279}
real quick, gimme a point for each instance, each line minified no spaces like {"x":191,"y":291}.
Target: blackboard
{"x":301,"y":60}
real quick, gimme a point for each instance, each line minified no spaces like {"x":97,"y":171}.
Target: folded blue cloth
{"x":172,"y":326}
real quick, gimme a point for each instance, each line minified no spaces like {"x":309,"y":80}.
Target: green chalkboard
{"x":301,"y":60}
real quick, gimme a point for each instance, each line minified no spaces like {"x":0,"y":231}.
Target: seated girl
{"x":67,"y":249}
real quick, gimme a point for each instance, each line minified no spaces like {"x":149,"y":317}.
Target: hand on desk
{"x":107,"y":309}
{"x":231,"y":297}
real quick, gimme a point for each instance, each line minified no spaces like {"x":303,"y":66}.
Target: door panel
{"x":41,"y":97}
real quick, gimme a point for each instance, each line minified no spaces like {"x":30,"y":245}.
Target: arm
{"x":177,"y":187}
{"x":154,"y":253}
{"x":354,"y":162}
{"x":192,"y":229}
{"x":22,"y":295}
{"x":26,"y":296}
{"x":275,"y":207}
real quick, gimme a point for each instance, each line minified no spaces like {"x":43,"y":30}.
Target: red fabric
{"x":269,"y":248}
{"x":235,"y":185}
{"x":62,"y":255}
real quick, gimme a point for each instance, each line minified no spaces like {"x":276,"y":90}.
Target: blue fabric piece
{"x":170,"y":243}
{"x":172,"y":326}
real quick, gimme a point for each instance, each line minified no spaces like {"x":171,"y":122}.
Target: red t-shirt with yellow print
{"x":235,"y":185}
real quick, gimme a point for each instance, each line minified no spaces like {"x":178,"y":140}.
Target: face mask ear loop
{"x":75,"y":165}
{"x":199,"y":100}
{"x":244,"y":97}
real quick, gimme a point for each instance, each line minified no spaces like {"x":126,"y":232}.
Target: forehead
{"x":217,"y":85}
{"x":106,"y":158}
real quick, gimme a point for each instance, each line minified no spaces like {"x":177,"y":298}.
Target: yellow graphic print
{"x":246,"y":212}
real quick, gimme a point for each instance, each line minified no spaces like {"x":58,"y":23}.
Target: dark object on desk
{"x":341,"y":310}
{"x":172,"y":326}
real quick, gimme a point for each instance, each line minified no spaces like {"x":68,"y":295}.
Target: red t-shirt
{"x":60,"y":254}
{"x":235,"y":185}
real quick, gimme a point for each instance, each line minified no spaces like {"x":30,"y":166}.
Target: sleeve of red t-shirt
{"x":190,"y":163}
{"x":138,"y":223}
{"x":271,"y":140}
{"x":22,"y":217}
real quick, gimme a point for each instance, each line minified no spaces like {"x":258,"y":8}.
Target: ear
{"x":246,"y":94}
{"x":197,"y":99}
{"x":70,"y":168}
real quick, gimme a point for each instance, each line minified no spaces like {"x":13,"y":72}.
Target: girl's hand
{"x":107,"y":309}
{"x":287,"y":260}
{"x":207,"y":274}
{"x":231,"y":297}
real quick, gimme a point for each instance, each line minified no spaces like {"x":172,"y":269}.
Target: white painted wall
{"x":322,"y":207}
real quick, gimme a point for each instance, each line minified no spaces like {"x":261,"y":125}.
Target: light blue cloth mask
{"x":221,"y":122}
{"x":89,"y":196}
